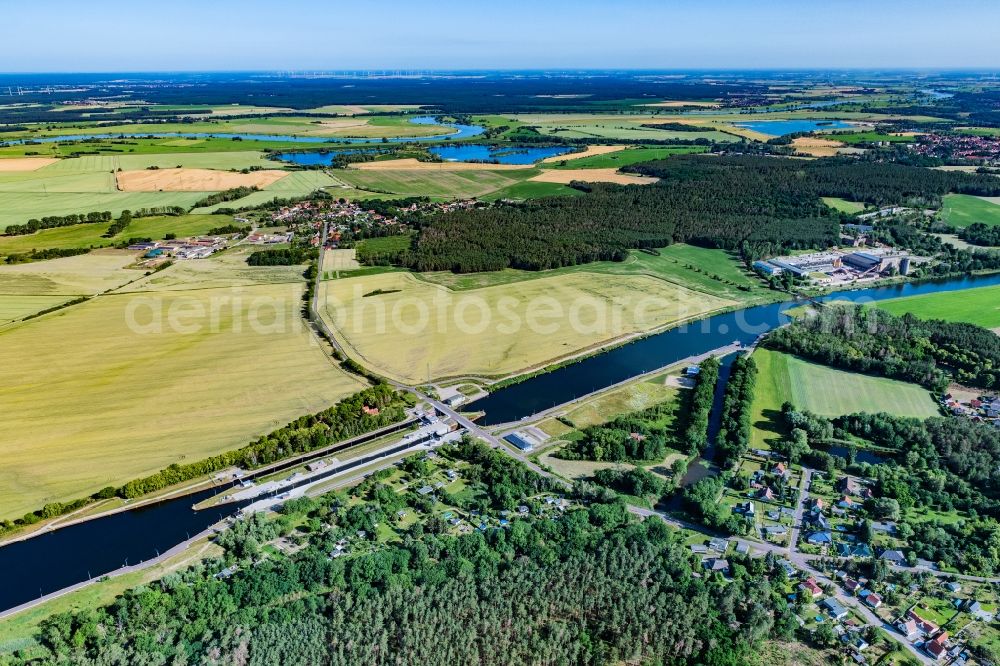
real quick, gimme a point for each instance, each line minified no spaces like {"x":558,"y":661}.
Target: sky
{"x":213,"y":35}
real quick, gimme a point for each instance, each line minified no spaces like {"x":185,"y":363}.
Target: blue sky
{"x":115,"y":35}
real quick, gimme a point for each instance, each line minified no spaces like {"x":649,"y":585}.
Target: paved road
{"x":800,"y":507}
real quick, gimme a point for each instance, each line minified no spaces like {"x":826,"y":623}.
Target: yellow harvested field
{"x":809,"y":145}
{"x":589,"y":152}
{"x":411,"y":330}
{"x":225,"y":269}
{"x":125,"y":385}
{"x":340,"y":260}
{"x":194,"y":180}
{"x":9,"y":164}
{"x":413,"y":164}
{"x":566,"y":176}
{"x":82,"y":275}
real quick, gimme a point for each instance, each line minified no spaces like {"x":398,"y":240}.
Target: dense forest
{"x":932,"y":353}
{"x":981,"y":234}
{"x":595,"y":587}
{"x":758,"y":205}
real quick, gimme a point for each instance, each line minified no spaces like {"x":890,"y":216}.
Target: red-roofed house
{"x":810,"y":587}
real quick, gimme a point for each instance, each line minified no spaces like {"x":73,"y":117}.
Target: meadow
{"x":843,"y":205}
{"x":826,"y":391}
{"x":980,"y":306}
{"x":412,"y":330}
{"x":625,"y":157}
{"x":151,"y":379}
{"x":962,"y":210}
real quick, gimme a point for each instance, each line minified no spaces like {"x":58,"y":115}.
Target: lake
{"x":460,"y":131}
{"x":478,"y":152}
{"x":783,"y":127}
{"x":320,"y":157}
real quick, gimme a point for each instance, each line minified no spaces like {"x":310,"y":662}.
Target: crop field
{"x":295,"y":184}
{"x":151,"y":379}
{"x":14,"y":307}
{"x":135,"y":147}
{"x":618,"y":159}
{"x":714,"y":272}
{"x":617,"y":130}
{"x":566,"y":176}
{"x":92,"y":235}
{"x":223,"y":269}
{"x":19,"y":207}
{"x":434,"y":183}
{"x":242,"y":159}
{"x":962,"y":210}
{"x":869,"y":137}
{"x":410,"y":329}
{"x":24,"y":163}
{"x":194,"y":180}
{"x":82,"y":275}
{"x":826,"y":391}
{"x":980,"y":306}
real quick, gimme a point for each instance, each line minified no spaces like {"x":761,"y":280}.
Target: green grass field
{"x":980,"y":306}
{"x":866,"y":137}
{"x":135,"y":382}
{"x":92,"y":235}
{"x":962,"y":210}
{"x":843,"y":205}
{"x":533,"y":190}
{"x":626,"y":157}
{"x":826,"y":391}
{"x":617,"y":130}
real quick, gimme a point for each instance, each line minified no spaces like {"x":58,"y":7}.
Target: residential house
{"x":908,"y":628}
{"x":954,"y":588}
{"x":848,"y":486}
{"x":846,"y":503}
{"x":716,"y":564}
{"x":772,"y":531}
{"x":872,"y":599}
{"x":765,"y":493}
{"x":894,"y":557}
{"x":834,"y":608}
{"x":851,"y":585}
{"x":976,"y":610}
{"x":810,"y":587}
{"x":718,"y":544}
{"x":926,"y":627}
{"x":699,"y":549}
{"x":743,"y":548}
{"x":820,"y":538}
{"x":936,"y":647}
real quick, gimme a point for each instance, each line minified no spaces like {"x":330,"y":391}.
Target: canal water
{"x":54,"y":560}
{"x":459,"y":131}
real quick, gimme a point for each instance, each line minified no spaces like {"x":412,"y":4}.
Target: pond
{"x":320,"y":157}
{"x":783,"y":127}
{"x":860,"y":455}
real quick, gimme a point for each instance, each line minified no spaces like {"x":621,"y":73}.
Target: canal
{"x":57,"y":559}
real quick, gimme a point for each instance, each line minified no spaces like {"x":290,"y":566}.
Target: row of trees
{"x":232,"y":194}
{"x":283,"y":256}
{"x":54,"y":221}
{"x":734,"y":434}
{"x":696,"y":434}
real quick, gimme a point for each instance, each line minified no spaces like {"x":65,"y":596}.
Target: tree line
{"x":734,"y":434}
{"x":702,"y":397}
{"x":866,"y":339}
